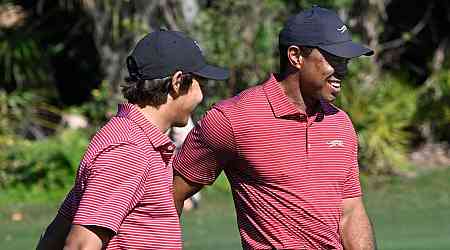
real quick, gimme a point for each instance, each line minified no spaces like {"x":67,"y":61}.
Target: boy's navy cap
{"x":162,"y":53}
{"x":321,"y":28}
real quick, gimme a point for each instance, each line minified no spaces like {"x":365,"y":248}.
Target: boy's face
{"x":188,"y":102}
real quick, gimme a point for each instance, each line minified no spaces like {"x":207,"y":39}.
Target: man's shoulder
{"x":334,"y":111}
{"x":242,"y":101}
{"x":336,"y":115}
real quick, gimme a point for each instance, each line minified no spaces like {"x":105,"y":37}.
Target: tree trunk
{"x":120,"y":24}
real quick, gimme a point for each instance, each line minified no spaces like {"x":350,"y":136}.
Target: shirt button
{"x":170,"y":148}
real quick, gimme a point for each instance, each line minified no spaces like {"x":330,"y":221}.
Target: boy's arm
{"x":55,"y":234}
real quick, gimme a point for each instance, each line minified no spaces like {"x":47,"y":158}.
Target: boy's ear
{"x":176,"y":83}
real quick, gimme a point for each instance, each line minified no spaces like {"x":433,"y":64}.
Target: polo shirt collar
{"x":279,"y":102}
{"x":155,"y":136}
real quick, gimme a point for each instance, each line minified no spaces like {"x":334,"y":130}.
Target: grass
{"x":213,"y":225}
{"x":408,"y":214}
{"x":23,"y":234}
{"x":412,"y":214}
{"x":23,"y":216}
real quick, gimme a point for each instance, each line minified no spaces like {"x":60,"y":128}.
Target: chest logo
{"x":336,"y":143}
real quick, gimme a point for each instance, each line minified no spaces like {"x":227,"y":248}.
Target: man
{"x":289,"y":154}
{"x":123,"y":195}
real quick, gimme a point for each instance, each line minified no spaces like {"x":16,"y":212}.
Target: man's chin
{"x":180,"y":124}
{"x":329,"y":98}
{"x":332,"y":99}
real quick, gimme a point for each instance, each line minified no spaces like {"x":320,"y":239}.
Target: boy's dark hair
{"x":152,"y":92}
{"x":284,"y":61}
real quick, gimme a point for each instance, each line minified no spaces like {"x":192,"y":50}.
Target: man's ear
{"x":295,"y":57}
{"x":176,"y":84}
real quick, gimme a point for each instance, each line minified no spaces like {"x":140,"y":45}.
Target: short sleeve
{"x":207,"y":149}
{"x":352,"y":186}
{"x":115,"y":185}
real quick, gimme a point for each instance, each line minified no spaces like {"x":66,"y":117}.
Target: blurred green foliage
{"x":45,"y":164}
{"x":17,"y":50}
{"x":13,"y":109}
{"x":101,"y":107}
{"x":386,"y":108}
{"x":434,"y":106}
{"x":381,"y":113}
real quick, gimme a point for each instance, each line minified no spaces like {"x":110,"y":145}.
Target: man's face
{"x":187,"y":102}
{"x":318,"y":78}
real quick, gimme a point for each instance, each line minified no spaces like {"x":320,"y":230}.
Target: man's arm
{"x":55,"y":234}
{"x":183,"y":189}
{"x":206,"y":150}
{"x":356,"y":230}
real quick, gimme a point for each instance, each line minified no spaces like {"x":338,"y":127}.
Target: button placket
{"x":167,"y":153}
{"x":303,"y":119}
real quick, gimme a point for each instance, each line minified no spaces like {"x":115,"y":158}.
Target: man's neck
{"x":291,"y":87}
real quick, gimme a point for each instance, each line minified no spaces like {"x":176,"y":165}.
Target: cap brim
{"x":212,"y":72}
{"x":347,"y":49}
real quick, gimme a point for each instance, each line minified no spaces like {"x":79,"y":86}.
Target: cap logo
{"x":198,"y":46}
{"x":342,"y":29}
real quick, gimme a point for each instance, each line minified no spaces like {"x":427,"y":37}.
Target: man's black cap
{"x":321,"y":28}
{"x":162,"y":53}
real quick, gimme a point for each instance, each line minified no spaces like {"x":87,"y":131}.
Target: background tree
{"x":66,"y":58}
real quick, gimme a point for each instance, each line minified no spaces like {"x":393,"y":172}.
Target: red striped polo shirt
{"x":124,"y":183}
{"x":288,"y":172}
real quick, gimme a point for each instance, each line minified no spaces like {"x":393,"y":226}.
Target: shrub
{"x":46,"y":164}
{"x":382,"y":113}
{"x":434,"y":107}
{"x":15,"y":111}
{"x":102,"y":106}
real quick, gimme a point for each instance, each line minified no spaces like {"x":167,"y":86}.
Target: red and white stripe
{"x":124,"y":183}
{"x":288,"y":172}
